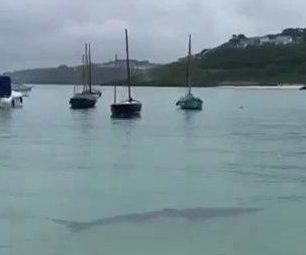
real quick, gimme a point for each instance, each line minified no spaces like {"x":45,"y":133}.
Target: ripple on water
{"x":6,"y":136}
{"x":278,"y":166}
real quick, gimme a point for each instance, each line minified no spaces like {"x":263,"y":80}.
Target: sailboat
{"x":189,"y":102}
{"x":129,"y":108}
{"x":87,"y":98}
{"x":88,"y":89}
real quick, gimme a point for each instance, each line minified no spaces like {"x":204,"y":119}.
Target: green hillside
{"x":268,"y":59}
{"x":264,"y":64}
{"x":101,"y":74}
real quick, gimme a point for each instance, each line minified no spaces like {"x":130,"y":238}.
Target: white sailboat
{"x":189,"y":101}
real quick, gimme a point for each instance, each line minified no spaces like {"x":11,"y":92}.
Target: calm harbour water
{"x":81,"y":166}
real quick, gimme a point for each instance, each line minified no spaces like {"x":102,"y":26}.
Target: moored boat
{"x":81,"y":101}
{"x":189,"y":101}
{"x":126,"y":109}
{"x":87,"y":98}
{"x":129,"y":108}
{"x":303,"y":87}
{"x":8,"y":97}
{"x":23,"y":89}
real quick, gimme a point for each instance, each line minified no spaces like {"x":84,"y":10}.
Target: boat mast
{"x":83,"y":71}
{"x":128,"y":64}
{"x":89,"y":71}
{"x":86,"y":68}
{"x":188,"y":66}
{"x":115,"y":87}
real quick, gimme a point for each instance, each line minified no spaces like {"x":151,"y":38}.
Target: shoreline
{"x":232,"y":86}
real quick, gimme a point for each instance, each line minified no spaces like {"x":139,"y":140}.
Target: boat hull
{"x":80,"y":101}
{"x":190,"y":102}
{"x":127,"y":109}
{"x":15,"y":100}
{"x":24,"y":90}
{"x":303,"y":88}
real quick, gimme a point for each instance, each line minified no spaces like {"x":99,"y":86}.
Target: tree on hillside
{"x":304,"y":36}
{"x":237,"y":38}
{"x":241,"y":37}
{"x":293,"y":32}
{"x":234,"y":40}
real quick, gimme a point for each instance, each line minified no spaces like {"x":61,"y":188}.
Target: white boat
{"x":23,"y":89}
{"x":189,"y":101}
{"x":8,"y":97}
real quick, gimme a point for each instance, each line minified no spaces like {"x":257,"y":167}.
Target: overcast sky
{"x":42,"y":33}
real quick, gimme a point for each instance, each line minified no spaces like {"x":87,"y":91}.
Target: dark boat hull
{"x":80,"y":101}
{"x":303,"y":88}
{"x":128,"y":109}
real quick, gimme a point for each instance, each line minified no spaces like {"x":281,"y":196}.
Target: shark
{"x":190,"y":214}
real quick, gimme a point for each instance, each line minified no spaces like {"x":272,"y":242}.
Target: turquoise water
{"x":56,"y":163}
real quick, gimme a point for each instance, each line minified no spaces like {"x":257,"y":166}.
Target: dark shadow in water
{"x":5,"y":247}
{"x":127,"y":125}
{"x":125,"y":121}
{"x":191,"y":127}
{"x":83,"y":120}
{"x":191,"y":214}
{"x":82,"y":113}
{"x":190,"y":115}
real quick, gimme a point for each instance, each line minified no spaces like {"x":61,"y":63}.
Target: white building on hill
{"x":264,"y":40}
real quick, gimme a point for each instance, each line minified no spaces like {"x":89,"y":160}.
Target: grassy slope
{"x":268,"y":64}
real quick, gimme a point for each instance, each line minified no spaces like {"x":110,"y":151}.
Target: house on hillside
{"x":248,"y":42}
{"x":134,"y":64}
{"x":283,"y":40}
{"x":276,"y":40}
{"x":264,"y":40}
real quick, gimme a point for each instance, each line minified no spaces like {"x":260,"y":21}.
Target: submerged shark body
{"x":192,"y":214}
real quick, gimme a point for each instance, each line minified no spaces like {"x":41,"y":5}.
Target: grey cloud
{"x":40,"y":33}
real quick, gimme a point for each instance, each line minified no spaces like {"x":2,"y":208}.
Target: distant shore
{"x":221,"y":85}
